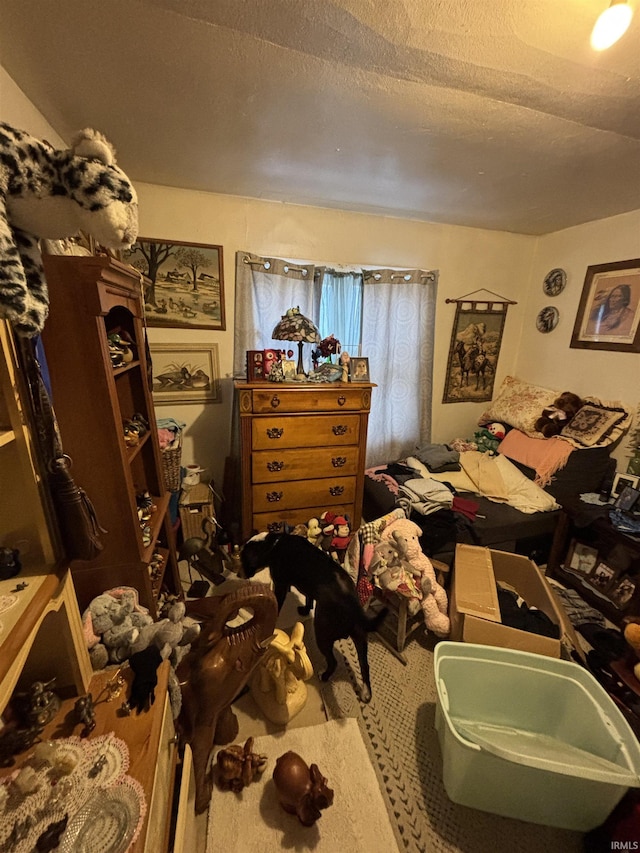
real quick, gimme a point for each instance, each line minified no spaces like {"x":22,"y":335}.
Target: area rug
{"x":398,"y":728}
{"x":255,"y":821}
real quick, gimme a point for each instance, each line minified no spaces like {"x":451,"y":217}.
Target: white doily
{"x":7,"y":601}
{"x":95,"y":787}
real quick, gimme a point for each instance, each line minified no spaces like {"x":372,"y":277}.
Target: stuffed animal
{"x":554,"y":418}
{"x":53,"y":193}
{"x":497,"y":430}
{"x":341,"y":536}
{"x":109,"y":627}
{"x":394,"y":573}
{"x":434,"y":602}
{"x":632,"y":636}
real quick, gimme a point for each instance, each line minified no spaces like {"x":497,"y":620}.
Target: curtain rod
{"x":499,"y":298}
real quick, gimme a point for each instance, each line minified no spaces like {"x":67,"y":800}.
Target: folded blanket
{"x":544,"y":455}
{"x":438,"y":457}
{"x":425,"y":496}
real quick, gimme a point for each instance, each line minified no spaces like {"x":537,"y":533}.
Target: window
{"x":387,"y":315}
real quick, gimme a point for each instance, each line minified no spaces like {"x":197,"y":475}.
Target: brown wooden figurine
{"x":302,"y":790}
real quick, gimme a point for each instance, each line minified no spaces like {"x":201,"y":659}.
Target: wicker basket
{"x":171,"y":466}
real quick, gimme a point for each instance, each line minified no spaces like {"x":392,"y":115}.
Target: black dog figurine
{"x":294,"y":561}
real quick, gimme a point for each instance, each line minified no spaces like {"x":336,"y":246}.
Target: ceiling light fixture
{"x":611,"y":25}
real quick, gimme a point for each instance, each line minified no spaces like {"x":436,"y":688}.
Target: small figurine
{"x":39,"y":705}
{"x":10,"y":563}
{"x":237,"y":766}
{"x":302,"y":790}
{"x":85,"y":713}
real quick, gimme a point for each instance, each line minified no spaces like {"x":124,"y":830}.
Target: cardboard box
{"x":474,"y":609}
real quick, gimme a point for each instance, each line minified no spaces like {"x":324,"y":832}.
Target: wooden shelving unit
{"x":92,"y":297}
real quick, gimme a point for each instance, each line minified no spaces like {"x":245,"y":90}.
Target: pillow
{"x":594,"y":425}
{"x":519,"y":404}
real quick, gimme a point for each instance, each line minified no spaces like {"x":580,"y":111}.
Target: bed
{"x":509,"y":500}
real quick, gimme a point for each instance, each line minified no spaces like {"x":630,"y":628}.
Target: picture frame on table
{"x":602,"y":576}
{"x":627,"y":500}
{"x":185,"y":373}
{"x":185,"y":283}
{"x":621,"y":481}
{"x":622,"y":592}
{"x":359,"y":369}
{"x":608,"y":316}
{"x":581,"y":558}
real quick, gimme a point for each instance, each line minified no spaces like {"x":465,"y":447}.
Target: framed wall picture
{"x":359,"y":369}
{"x":185,"y":373}
{"x":185,"y":285}
{"x":620,"y":481}
{"x":608,"y":315}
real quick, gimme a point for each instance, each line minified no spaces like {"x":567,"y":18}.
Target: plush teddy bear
{"x":434,"y":602}
{"x":53,"y":193}
{"x":554,"y":418}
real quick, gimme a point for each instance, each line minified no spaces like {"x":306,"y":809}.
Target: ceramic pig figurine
{"x":302,"y":790}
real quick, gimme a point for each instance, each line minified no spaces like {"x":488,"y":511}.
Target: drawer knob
{"x":334,"y":491}
{"x":275,"y":527}
{"x":274,"y":432}
{"x":339,"y":429}
{"x":338,"y":461}
{"x":342,"y":400}
{"x":275,"y":466}
{"x":275,"y":401}
{"x":274,"y":497}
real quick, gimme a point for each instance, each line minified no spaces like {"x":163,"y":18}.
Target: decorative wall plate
{"x":547,"y":319}
{"x":554,"y":282}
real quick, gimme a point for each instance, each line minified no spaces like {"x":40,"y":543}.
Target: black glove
{"x":144,"y":665}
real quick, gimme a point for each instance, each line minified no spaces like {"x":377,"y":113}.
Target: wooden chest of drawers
{"x":302,"y":451}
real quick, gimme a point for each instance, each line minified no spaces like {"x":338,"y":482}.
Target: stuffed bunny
{"x":53,"y":193}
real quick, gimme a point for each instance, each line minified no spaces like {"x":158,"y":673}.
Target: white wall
{"x":468,"y":259}
{"x":547,"y":359}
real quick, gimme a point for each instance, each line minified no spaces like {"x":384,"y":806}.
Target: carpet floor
{"x":398,"y":729}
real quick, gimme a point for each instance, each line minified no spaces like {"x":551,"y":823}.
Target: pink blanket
{"x":544,"y":455}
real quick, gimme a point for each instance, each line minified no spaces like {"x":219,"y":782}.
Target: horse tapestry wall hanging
{"x":475,"y":347}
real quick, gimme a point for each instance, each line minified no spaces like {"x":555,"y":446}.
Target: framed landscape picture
{"x":186,"y":283}
{"x":185,"y":373}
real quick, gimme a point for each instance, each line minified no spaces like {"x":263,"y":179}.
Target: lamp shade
{"x":294,"y":326}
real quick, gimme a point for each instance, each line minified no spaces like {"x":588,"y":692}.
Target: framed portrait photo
{"x":359,"y":369}
{"x":608,"y":315}
{"x":627,"y":500}
{"x":622,"y":592}
{"x":581,"y":558}
{"x":621,"y":481}
{"x":185,"y":373}
{"x":602,"y":576}
{"x":185,"y":287}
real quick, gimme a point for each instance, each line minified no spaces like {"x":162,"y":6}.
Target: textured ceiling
{"x":493,"y":114}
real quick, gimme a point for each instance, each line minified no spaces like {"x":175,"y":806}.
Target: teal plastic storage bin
{"x":530,"y":737}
